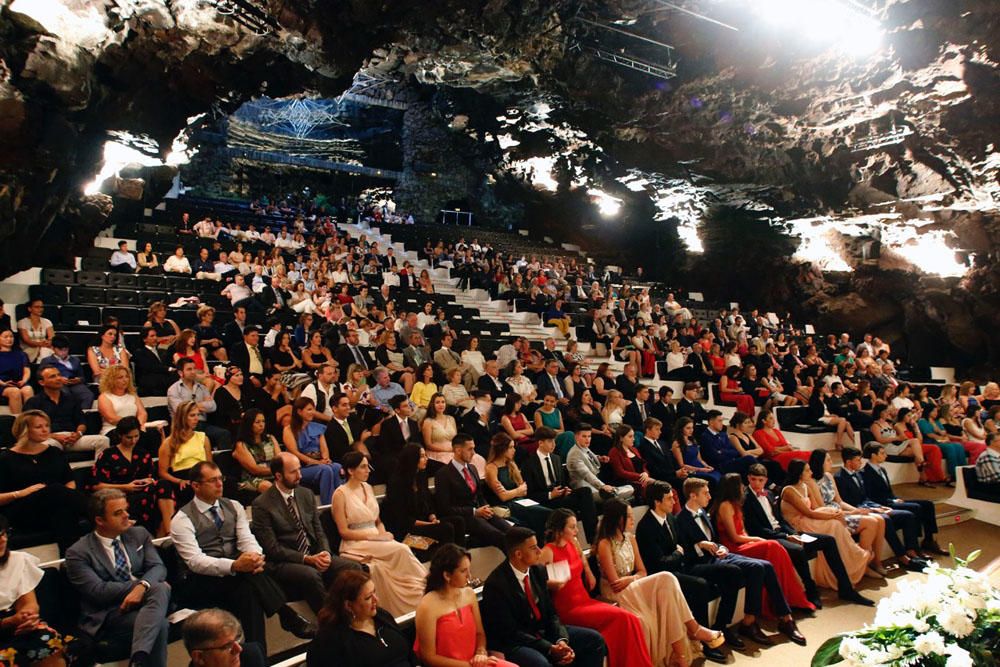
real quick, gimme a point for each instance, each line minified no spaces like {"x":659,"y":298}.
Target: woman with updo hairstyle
{"x":351,"y":623}
{"x":398,"y":575}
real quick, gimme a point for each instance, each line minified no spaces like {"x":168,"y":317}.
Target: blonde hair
{"x":20,"y":427}
{"x":179,"y":430}
{"x":203,"y":311}
{"x":111,"y":374}
{"x":154,"y":308}
{"x":966,"y":388}
{"x":499,"y":445}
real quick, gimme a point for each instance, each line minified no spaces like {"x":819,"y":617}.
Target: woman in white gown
{"x":398,"y":575}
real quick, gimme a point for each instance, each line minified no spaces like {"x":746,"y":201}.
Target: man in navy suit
{"x":638,"y":410}
{"x":701,"y":545}
{"x":548,"y":382}
{"x":122,"y":582}
{"x":879,"y":489}
{"x":718,"y":451}
{"x":659,"y":458}
{"x":851,"y":485}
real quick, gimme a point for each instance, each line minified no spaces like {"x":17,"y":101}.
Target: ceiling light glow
{"x":607,"y":205}
{"x":833,"y":22}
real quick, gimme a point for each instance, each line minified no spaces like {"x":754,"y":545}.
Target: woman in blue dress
{"x":305,"y":438}
{"x":688,"y":456}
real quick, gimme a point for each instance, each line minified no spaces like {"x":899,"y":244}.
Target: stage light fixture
{"x":846,"y":25}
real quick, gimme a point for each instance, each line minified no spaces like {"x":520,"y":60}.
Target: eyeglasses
{"x":234,"y":646}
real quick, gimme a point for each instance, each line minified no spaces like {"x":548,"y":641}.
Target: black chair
{"x":127,"y":316}
{"x":146,"y":298}
{"x":154,"y":282}
{"x":330,"y":528}
{"x":122,"y":280}
{"x":72,"y":315}
{"x":88,"y":295}
{"x":58,"y":276}
{"x":120,"y":297}
{"x":50,"y":294}
{"x":978,"y":491}
{"x":92,"y":278}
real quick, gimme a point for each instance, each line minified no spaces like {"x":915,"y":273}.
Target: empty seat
{"x":146,"y":298}
{"x":93,"y":295}
{"x":93,"y":263}
{"x":151,"y":282}
{"x":72,"y":315}
{"x":55,"y":294}
{"x":92,"y":278}
{"x":58,"y":276}
{"x":134,"y":316}
{"x":120,"y":297}
{"x":122,"y":280}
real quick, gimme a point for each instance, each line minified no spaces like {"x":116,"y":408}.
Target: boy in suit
{"x":458,"y":492}
{"x":548,"y":485}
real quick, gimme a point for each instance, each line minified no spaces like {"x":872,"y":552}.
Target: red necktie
{"x":762,"y":494}
{"x":535,"y":613}
{"x":469,"y":481}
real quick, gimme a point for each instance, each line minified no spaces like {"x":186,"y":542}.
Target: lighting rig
{"x":250,"y":14}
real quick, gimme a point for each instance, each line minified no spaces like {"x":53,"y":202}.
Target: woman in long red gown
{"x":622,"y":630}
{"x":728,"y":516}
{"x":773,"y":441}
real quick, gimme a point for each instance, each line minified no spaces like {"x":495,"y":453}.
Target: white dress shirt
{"x":183,"y":535}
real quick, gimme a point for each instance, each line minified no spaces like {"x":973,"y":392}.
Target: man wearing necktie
{"x":351,"y":353}
{"x":287,"y":526}
{"x":548,"y":486}
{"x":458,"y":493}
{"x":118,"y":573}
{"x":638,"y":410}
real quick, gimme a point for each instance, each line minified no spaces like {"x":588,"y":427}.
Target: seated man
{"x":878,"y":488}
{"x":352,"y":353}
{"x":446,"y":359}
{"x":224,"y":561}
{"x":639,"y":409}
{"x":490,"y":383}
{"x":657,"y":454}
{"x":851,"y":485}
{"x":152,"y":376}
{"x":384,"y":389}
{"x":122,"y":261}
{"x":458,"y":492}
{"x":124,"y":596}
{"x":583,"y":466}
{"x":398,"y":430}
{"x":323,"y":391}
{"x":547,"y":483}
{"x":63,"y":409}
{"x":204,"y":267}
{"x":70,"y":369}
{"x":689,"y":406}
{"x":988,"y":463}
{"x":247,"y":353}
{"x":520,"y":619}
{"x":187,"y":388}
{"x":718,"y":450}
{"x":761,"y":518}
{"x":417,"y":352}
{"x":287,"y":526}
{"x":548,"y":382}
{"x":214,"y":638}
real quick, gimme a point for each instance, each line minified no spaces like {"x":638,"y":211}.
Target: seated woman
{"x":148,"y":263}
{"x":514,"y":424}
{"x":521,"y":385}
{"x":107,"y":352}
{"x":455,"y":393}
{"x":769,"y":380}
{"x":627,"y":465}
{"x":687,"y":454}
{"x":352,"y":624}
{"x":166,"y":329}
{"x":131,"y":469}
{"x":408,"y":506}
{"x":622,"y":348}
{"x":473,"y":358}
{"x":231,"y":401}
{"x":727,"y":514}
{"x":549,"y":414}
{"x":187,"y":346}
{"x":254,"y":450}
{"x":184,"y":448}
{"x":773,"y":442}
{"x":584,"y":409}
{"x":614,"y":409}
{"x":449,"y":625}
{"x":37,"y":490}
{"x":305,"y":439}
{"x":505,"y":486}
{"x":15,"y":373}
{"x":390,"y":356}
{"x":25,"y":639}
{"x":423,"y":389}
{"x":283,"y":358}
{"x":803,"y":508}
{"x":315,"y":355}
{"x":930,"y":461}
{"x":656,"y":599}
{"x":555,"y":316}
{"x":817,"y":411}
{"x":741,"y":426}
{"x":933,"y":433}
{"x":208,"y":335}
{"x":36,"y":332}
{"x":117,"y":398}
{"x":622,"y":630}
{"x":731,"y":391}
{"x":398,"y":575}
{"x":437,"y":429}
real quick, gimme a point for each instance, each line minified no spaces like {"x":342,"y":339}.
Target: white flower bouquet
{"x":951,"y":619}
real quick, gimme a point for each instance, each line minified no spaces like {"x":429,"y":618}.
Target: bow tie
{"x":762,"y":494}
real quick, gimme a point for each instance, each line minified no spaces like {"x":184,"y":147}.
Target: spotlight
{"x":839,"y":23}
{"x":607,"y":205}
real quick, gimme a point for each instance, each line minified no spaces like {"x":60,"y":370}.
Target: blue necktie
{"x":122,"y":572}
{"x":216,"y":517}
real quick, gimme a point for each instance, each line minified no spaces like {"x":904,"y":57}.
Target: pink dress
{"x":455,"y":636}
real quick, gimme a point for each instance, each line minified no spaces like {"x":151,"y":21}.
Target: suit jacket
{"x":239,"y":355}
{"x":414,"y":356}
{"x":232,"y":334}
{"x":447,"y":358}
{"x":276,"y":530}
{"x":665,"y":413}
{"x":336,"y":437}
{"x":149,"y":368}
{"x":851,"y":493}
{"x":345,"y":358}
{"x":696,"y":411}
{"x":93,"y":575}
{"x":716,"y":449}
{"x":391,"y":440}
{"x":657,"y":547}
{"x":756,"y":523}
{"x":690,"y":534}
{"x":488,"y":385}
{"x":269,"y":297}
{"x":481,"y":434}
{"x":660,"y":463}
{"x":452,"y":495}
{"x":534,"y":477}
{"x":633,"y":417}
{"x":507,"y":616}
{"x":878,"y":488}
{"x":546,"y":385}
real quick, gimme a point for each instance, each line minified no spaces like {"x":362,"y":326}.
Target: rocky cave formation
{"x":756,"y":151}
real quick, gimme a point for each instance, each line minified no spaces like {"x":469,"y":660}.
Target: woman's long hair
{"x":446,"y":559}
{"x":180,"y":432}
{"x":245,"y":433}
{"x":499,"y":444}
{"x":794,"y":474}
{"x":679,"y":426}
{"x":729,"y":489}
{"x":621,"y":433}
{"x":556,"y":523}
{"x":816,"y":460}
{"x":297,"y":423}
{"x":344,"y":589}
{"x":613,"y":520}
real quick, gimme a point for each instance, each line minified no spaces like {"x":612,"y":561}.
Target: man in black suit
{"x":701,"y":546}
{"x":638,"y":410}
{"x":124,"y":595}
{"x":550,"y":352}
{"x":489,"y":382}
{"x":247,"y":355}
{"x":398,"y":430}
{"x":548,"y":485}
{"x":352,"y":353}
{"x":232,"y":333}
{"x":761,"y":518}
{"x":689,"y":406}
{"x":479,"y":423}
{"x":152,"y":376}
{"x":548,"y":382}
{"x":519,"y":616}
{"x":660,"y":462}
{"x":665,"y":410}
{"x":459,"y":492}
{"x":287,"y":527}
{"x":851,"y":485}
{"x":275,"y":301}
{"x":879,"y":489}
{"x":345,"y":432}
{"x":657,"y":535}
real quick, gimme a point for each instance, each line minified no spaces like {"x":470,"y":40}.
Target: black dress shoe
{"x":916,"y":564}
{"x":292,"y":622}
{"x":755,"y":634}
{"x":714,"y":654}
{"x":816,"y":600}
{"x":857,"y":598}
{"x":789,"y":629}
{"x":930,"y":546}
{"x":734,"y":641}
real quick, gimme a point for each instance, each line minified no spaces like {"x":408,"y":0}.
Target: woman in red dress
{"x":728,"y":516}
{"x":622,"y":630}
{"x":731,"y":392}
{"x":773,"y":441}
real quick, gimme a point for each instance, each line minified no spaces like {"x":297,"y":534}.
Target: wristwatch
{"x":144,"y":584}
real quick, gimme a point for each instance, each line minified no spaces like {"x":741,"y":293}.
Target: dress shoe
{"x":292,"y":622}
{"x":755,"y":634}
{"x":816,"y":600}
{"x":857,"y":598}
{"x":915,"y":564}
{"x":930,"y":546}
{"x":734,"y":641}
{"x":789,"y":629}
{"x":714,"y":654}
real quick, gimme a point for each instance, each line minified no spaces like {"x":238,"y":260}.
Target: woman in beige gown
{"x":798,"y":510}
{"x":398,"y":575}
{"x":671,"y":629}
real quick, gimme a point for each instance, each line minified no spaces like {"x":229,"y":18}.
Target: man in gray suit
{"x":287,"y":526}
{"x":121,"y":581}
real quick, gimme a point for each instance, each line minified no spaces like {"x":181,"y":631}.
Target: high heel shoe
{"x":874,"y":573}
{"x":714,"y":638}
